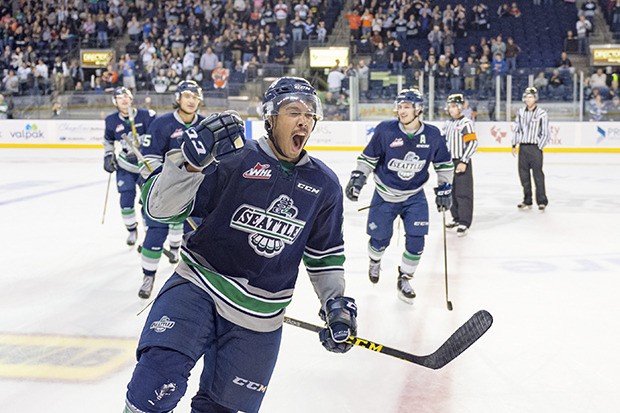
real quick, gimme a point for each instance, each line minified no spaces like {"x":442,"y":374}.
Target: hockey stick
{"x":458,"y":342}
{"x":445,"y":260}
{"x":171,"y":257}
{"x":105,"y":202}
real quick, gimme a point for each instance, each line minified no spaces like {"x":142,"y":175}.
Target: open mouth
{"x":298,"y":142}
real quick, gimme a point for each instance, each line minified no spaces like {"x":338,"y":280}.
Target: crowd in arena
{"x":217,"y":43}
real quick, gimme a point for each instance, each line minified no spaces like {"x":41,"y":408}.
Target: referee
{"x":462,"y":143}
{"x":531,"y":133}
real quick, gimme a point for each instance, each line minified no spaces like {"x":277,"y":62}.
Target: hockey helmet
{"x":188,"y":86}
{"x":121,"y":91}
{"x":530,"y":91}
{"x":410,"y":95}
{"x":291,"y":89}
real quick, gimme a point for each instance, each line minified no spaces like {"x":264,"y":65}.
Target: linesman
{"x":531,"y":133}
{"x":462,"y":143}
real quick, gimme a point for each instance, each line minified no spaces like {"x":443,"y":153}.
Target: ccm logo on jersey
{"x":261,"y":388}
{"x":308,"y":188}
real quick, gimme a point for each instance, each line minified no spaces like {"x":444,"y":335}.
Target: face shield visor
{"x":310,"y":105}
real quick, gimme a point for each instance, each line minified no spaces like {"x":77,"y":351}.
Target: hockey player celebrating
{"x":266,"y":205}
{"x":162,"y":137}
{"x":119,"y":128}
{"x":462,"y":143}
{"x":399,"y":154}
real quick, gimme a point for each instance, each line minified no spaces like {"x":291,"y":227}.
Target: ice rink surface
{"x":551,"y":280}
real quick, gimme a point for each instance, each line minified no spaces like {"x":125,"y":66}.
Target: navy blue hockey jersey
{"x":117,"y":128}
{"x":260,"y":221}
{"x":162,"y":137}
{"x":400,"y":161}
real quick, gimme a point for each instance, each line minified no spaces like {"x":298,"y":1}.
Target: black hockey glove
{"x":216,"y":136}
{"x":357,"y":181}
{"x":109,"y":162}
{"x":132,"y":158}
{"x":339,"y":317}
{"x":443,"y":197}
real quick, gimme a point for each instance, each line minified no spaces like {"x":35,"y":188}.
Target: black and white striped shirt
{"x":531,"y":127}
{"x":461,"y":138}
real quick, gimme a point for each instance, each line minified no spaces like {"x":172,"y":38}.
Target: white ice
{"x":549,"y":279}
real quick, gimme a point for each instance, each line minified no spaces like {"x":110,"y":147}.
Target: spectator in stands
{"x":110,"y":77}
{"x":571,"y":44}
{"x":24,"y":74}
{"x":177,"y":43}
{"x":512,"y":51}
{"x":430,"y":66}
{"x":564,"y":63}
{"x":597,"y":109}
{"x":4,"y":108}
{"x":598,"y":79}
{"x":355,"y":21}
{"x":481,"y":21}
{"x":363,"y":74}
{"x":498,"y":46}
{"x":456,"y":75}
{"x":128,"y":69}
{"x":514,"y":10}
{"x":442,"y":74}
{"x":380,"y":57}
{"x":588,"y":9}
{"x":583,"y":27}
{"x":282,"y":58}
{"x":615,"y":17}
{"x":101,"y":26}
{"x":135,"y":29}
{"x":334,"y":80}
{"x":195,"y":74}
{"x":556,"y":85}
{"x":220,"y":76}
{"x":435,"y":39}
{"x":41,"y":77}
{"x":262,"y":48}
{"x":504,"y":10}
{"x":470,"y":72}
{"x":484,"y":76}
{"x":499,"y":70}
{"x":413,"y":27}
{"x":541,"y":83}
{"x":189,"y":59}
{"x":366,"y":18}
{"x":60,"y":71}
{"x":161,"y":82}
{"x":398,"y":57}
{"x":613,"y":110}
{"x":208,"y":62}
{"x":250,"y":68}
{"x":281,"y":14}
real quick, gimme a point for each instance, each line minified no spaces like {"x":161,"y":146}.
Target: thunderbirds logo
{"x":270,"y":230}
{"x":162,"y":324}
{"x":406,"y":168}
{"x":498,"y":134}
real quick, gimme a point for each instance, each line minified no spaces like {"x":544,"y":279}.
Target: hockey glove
{"x":216,"y":136}
{"x":339,"y":316}
{"x":109,"y":162}
{"x":443,"y":197}
{"x":357,"y":181}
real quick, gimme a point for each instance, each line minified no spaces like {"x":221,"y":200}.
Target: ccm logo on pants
{"x":249,"y":384}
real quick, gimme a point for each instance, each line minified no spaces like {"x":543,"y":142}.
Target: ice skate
{"x":462,"y":230}
{"x":147,"y":286}
{"x":542,"y":207}
{"x":374,"y":270}
{"x":452,"y":224}
{"x":524,"y":206}
{"x":405,"y":291}
{"x":132,"y":237}
{"x":174,"y":255}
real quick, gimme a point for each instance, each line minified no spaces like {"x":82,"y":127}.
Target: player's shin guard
{"x":159,"y":381}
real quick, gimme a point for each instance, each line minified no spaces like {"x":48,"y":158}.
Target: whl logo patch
{"x":271,"y":229}
{"x":162,"y":325}
{"x":406,"y":168}
{"x":258,"y":171}
{"x":397,"y":142}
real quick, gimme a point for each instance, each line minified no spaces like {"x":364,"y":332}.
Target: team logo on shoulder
{"x":162,"y":324}
{"x":258,"y":171}
{"x":176,"y":134}
{"x":397,"y":142}
{"x":406,"y":168}
{"x":271,"y":229}
{"x":120,"y":127}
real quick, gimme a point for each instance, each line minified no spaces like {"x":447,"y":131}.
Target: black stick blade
{"x":459,"y":341}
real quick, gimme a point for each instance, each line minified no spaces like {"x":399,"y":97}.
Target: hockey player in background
{"x":118,"y":128}
{"x":162,"y":137}
{"x":462,"y":143}
{"x":399,"y":154}
{"x":531,"y":133}
{"x":266,"y":206}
